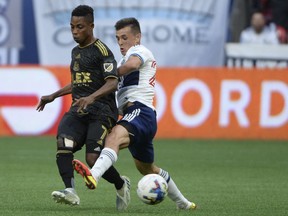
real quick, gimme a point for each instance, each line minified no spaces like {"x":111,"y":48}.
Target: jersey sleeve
{"x":109,"y":67}
{"x":107,"y":61}
{"x":139,"y":52}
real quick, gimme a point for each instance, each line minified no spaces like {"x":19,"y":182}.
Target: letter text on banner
{"x":197,"y":103}
{"x":229,"y":106}
{"x":266,"y":117}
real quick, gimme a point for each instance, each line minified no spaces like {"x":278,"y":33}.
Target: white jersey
{"x":138,"y":85}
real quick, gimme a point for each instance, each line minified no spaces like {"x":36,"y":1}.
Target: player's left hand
{"x":83,"y":103}
{"x":44,"y":100}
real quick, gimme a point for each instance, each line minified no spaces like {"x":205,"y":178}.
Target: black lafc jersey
{"x":90,"y":66}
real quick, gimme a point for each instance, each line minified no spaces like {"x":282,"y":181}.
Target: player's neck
{"x":89,"y":42}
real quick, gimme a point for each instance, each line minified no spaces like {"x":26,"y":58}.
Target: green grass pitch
{"x":233,"y":178}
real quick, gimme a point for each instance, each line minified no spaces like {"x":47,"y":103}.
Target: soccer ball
{"x":152,"y":189}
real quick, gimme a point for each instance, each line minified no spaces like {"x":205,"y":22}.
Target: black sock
{"x":64,"y":163}
{"x":112,"y":176}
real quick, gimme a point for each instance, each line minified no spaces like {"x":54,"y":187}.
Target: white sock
{"x":107,"y":157}
{"x":173,"y":192}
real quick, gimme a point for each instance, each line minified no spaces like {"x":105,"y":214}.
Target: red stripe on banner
{"x":18,"y":100}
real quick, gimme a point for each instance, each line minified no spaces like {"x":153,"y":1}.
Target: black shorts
{"x":85,"y":130}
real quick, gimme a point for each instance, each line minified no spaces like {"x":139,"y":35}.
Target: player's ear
{"x":138,"y":38}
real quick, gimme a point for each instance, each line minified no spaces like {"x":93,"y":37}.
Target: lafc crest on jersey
{"x":76,"y":66}
{"x":108,"y":67}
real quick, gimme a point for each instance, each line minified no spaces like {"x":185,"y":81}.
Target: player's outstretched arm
{"x":132,"y":64}
{"x":49,"y":98}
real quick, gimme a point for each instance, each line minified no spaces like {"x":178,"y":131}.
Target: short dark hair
{"x":84,"y":11}
{"x":131,"y":21}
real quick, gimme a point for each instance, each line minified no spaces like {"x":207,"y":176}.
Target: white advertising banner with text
{"x":179,"y":33}
{"x":256,"y":55}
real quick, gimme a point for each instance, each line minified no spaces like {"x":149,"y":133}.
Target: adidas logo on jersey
{"x":97,"y":149}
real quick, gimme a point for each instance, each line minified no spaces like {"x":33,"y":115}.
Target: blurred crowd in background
{"x":274,"y":12}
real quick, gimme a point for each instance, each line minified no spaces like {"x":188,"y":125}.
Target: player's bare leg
{"x":64,"y":159}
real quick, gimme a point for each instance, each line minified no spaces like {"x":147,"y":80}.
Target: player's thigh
{"x":96,"y":134}
{"x":118,"y":138}
{"x":95,"y":140}
{"x":72,"y":128}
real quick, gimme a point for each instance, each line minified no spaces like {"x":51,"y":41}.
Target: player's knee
{"x":91,"y":159}
{"x":65,"y":145}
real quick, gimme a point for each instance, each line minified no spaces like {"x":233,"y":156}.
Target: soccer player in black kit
{"x":93,"y":79}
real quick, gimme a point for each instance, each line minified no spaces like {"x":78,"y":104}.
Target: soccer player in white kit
{"x":138,"y":126}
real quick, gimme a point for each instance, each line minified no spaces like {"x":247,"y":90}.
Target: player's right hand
{"x":44,"y":100}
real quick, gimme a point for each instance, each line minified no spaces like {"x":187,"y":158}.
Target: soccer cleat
{"x":187,"y":206}
{"x":84,"y":171}
{"x":67,"y":196}
{"x":192,"y":206}
{"x":123,"y":195}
